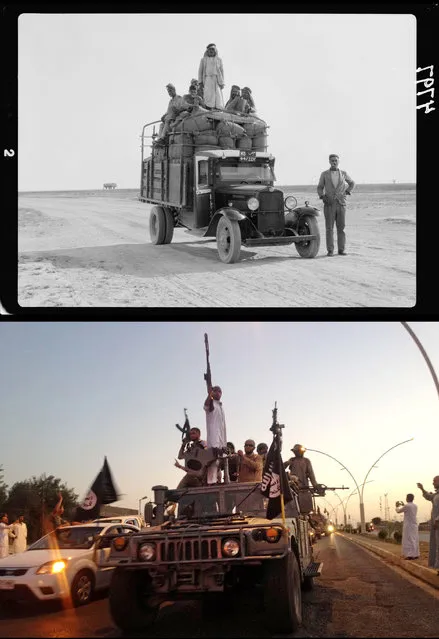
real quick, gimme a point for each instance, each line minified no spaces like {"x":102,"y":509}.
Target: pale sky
{"x":323,"y":83}
{"x":71,"y":393}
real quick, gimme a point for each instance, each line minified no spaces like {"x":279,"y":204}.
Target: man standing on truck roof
{"x":176,"y":104}
{"x":216,"y":428}
{"x":211,"y":78}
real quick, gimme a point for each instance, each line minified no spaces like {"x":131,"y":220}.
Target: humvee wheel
{"x":308,"y":225}
{"x":283,"y":594}
{"x":228,"y":240}
{"x":128,"y":599}
{"x":157,"y":225}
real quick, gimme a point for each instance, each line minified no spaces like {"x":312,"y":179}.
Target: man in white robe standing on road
{"x":215,"y":427}
{"x":410,"y":532}
{"x":211,"y":78}
{"x":20,"y":530}
{"x":433,"y":555}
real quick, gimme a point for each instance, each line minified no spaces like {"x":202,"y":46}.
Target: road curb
{"x":426,"y":574}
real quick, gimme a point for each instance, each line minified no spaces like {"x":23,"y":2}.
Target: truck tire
{"x":308,"y":225}
{"x":128,"y":601}
{"x":169,"y":224}
{"x":228,"y":240}
{"x":283,"y":594}
{"x":157,"y":225}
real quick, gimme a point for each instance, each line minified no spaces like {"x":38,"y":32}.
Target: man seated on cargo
{"x":192,"y":99}
{"x":250,"y":106}
{"x":176,"y":104}
{"x":235,"y":95}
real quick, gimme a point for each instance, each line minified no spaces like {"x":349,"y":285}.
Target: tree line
{"x":35,"y":498}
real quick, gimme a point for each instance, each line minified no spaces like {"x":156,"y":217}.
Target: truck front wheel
{"x":228,"y":240}
{"x":128,"y":599}
{"x":308,"y":225}
{"x":283,"y":594}
{"x":157,"y":225}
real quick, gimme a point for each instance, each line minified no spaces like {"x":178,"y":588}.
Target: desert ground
{"x":92,"y":249}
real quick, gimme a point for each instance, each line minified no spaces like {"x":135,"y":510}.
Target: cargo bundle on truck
{"x":215,"y":177}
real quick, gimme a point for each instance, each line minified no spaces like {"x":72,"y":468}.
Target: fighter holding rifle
{"x":215,"y":422}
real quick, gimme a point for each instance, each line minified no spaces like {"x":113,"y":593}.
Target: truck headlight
{"x":330,"y":528}
{"x":253,"y":203}
{"x":230,"y":548}
{"x":52,"y":567}
{"x":147,"y":552}
{"x":290,"y":202}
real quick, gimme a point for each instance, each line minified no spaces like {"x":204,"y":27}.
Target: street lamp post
{"x":140,"y":501}
{"x":424,"y":354}
{"x":360,"y":493}
{"x":363,"y":521}
{"x":345,"y":505}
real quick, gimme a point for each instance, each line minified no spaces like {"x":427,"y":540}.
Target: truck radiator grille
{"x":271,"y":202}
{"x":190,"y":550}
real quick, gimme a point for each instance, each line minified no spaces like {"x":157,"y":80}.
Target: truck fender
{"x":306,"y":210}
{"x":229,"y":212}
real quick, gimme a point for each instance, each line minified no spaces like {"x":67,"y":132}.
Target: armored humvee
{"x":226,"y":193}
{"x":217,"y":539}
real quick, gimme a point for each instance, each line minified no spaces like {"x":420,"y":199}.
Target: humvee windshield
{"x":247,"y":501}
{"x":241,"y":172}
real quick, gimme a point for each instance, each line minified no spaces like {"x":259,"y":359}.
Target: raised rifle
{"x":207,"y":374}
{"x":186,"y":427}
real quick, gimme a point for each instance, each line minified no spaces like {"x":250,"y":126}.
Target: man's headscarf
{"x":211,"y":45}
{"x":249,"y":98}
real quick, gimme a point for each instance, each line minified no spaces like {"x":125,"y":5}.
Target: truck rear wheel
{"x":308,"y":225}
{"x":283,"y":594}
{"x":157,"y":225}
{"x":169,"y":226}
{"x":128,"y":600}
{"x":228,"y":240}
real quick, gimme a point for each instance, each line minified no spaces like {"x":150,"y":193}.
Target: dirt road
{"x":95,"y":252}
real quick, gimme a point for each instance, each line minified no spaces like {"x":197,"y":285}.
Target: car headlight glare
{"x":147,"y":552}
{"x":52,"y":567}
{"x":330,"y":528}
{"x":290,"y":202}
{"x":230,"y":547}
{"x":253,"y":203}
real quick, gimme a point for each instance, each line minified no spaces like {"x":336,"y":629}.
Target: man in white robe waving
{"x":211,"y":78}
{"x":410,"y":532}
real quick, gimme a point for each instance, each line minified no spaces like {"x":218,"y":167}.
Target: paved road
{"x":358,"y":595}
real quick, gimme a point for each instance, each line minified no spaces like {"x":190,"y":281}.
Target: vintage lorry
{"x":217,"y":540}
{"x":225,"y":192}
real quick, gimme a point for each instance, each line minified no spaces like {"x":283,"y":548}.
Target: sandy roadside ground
{"x":96,"y":252}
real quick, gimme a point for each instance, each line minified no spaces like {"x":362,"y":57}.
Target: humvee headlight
{"x":120,"y":543}
{"x":230,"y":548}
{"x":253,"y":203}
{"x":290,"y":202}
{"x":147,"y":552}
{"x":258,"y":534}
{"x":272,"y":535}
{"x":330,"y":528}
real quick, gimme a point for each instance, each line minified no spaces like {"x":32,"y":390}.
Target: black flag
{"x":274,"y":480}
{"x":102,"y":491}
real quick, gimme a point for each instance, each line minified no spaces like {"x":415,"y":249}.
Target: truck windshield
{"x":247,"y":173}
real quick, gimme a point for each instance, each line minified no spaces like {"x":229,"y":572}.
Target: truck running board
{"x":314,"y":569}
{"x":273,"y":241}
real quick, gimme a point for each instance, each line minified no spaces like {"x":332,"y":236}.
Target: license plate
{"x":247,"y":156}
{"x":6,"y":584}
